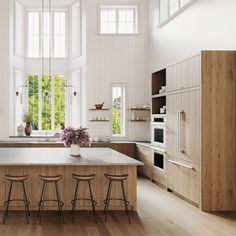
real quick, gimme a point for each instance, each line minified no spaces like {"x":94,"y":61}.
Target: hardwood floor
{"x":159,"y":214}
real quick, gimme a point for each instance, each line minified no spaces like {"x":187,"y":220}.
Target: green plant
{"x":28,"y":117}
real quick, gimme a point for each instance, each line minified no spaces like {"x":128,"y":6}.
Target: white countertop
{"x":60,"y":156}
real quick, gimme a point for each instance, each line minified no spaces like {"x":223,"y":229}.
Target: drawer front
{"x":145,"y":172}
{"x":145,"y":155}
{"x":183,"y":178}
{"x":158,"y":177}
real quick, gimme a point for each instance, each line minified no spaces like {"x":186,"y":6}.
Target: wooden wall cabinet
{"x":201,"y":129}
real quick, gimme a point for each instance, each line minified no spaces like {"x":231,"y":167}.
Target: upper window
{"x":118,"y":19}
{"x":169,"y":8}
{"x":47,"y":34}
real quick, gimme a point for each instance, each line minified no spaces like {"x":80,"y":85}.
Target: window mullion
{"x":117,"y":21}
{"x":52,"y":103}
{"x":40,"y":102}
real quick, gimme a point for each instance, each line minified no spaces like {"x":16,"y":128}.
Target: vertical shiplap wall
{"x":4,"y":69}
{"x":206,"y":24}
{"x":117,"y":59}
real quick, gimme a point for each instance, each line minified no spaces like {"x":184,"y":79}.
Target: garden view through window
{"x":47,"y":101}
{"x":118,"y":99}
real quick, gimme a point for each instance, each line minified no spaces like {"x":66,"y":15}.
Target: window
{"x":170,"y":8}
{"x":118,"y":19}
{"x":118,"y":110}
{"x":47,"y":34}
{"x":47,"y":101}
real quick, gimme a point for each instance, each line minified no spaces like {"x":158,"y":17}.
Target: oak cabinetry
{"x":201,"y":124}
{"x":144,"y":155}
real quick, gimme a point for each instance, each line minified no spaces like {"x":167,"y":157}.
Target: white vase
{"x":75,"y":150}
{"x":20,"y":130}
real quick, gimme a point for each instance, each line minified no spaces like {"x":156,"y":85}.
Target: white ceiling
{"x":55,"y":3}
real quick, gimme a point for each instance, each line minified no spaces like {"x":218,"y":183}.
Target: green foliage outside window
{"x":46,"y":97}
{"x":116,"y":116}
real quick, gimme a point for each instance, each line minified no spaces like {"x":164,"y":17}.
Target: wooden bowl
{"x":99,"y":106}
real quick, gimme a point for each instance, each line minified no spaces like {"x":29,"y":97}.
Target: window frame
{"x":67,"y":103}
{"x":123,"y":134}
{"x":52,"y":28}
{"x":167,"y":11}
{"x":118,"y":6}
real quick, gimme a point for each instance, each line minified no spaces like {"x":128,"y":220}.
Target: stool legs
{"x":75,"y":199}
{"x":107,"y":201}
{"x":59,"y":204}
{"x":8,"y":202}
{"x":125,"y":200}
{"x":27,"y":213}
{"x":41,"y":203}
{"x":25,"y":200}
{"x":92,"y":201}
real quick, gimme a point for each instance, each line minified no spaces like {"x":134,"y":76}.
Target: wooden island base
{"x":67,"y":186}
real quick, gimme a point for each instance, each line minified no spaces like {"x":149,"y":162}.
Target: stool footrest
{"x":120,"y":199}
{"x":86,"y":199}
{"x":17,"y":200}
{"x":50,"y":200}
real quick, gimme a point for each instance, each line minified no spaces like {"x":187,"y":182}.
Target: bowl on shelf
{"x":99,"y":106}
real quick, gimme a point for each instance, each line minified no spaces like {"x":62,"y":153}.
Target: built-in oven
{"x":159,"y":160}
{"x":158,"y":131}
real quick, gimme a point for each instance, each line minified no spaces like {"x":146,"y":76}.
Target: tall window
{"x":118,"y":110}
{"x":118,"y":19}
{"x":47,"y":101}
{"x":47,"y":34}
{"x":173,"y":6}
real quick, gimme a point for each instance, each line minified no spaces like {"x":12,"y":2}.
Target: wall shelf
{"x":98,"y":120}
{"x":159,"y":95}
{"x":139,"y":121}
{"x":139,"y":109}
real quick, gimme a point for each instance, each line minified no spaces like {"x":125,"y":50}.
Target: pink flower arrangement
{"x":78,"y":136}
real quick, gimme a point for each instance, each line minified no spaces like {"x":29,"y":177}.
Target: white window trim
{"x":67,"y":105}
{"x":119,"y":6}
{"x":124,"y":134}
{"x":171,"y":17}
{"x":40,"y":33}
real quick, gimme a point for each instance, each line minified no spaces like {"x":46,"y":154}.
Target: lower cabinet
{"x":144,"y":154}
{"x":183,"y":179}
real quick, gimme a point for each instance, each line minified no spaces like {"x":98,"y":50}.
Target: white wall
{"x":117,"y":59}
{"x":206,"y":24}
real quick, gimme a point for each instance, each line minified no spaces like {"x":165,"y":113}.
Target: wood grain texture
{"x":67,"y":185}
{"x":159,"y":214}
{"x":218,"y":131}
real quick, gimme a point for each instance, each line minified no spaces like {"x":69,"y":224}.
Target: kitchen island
{"x":56,"y":161}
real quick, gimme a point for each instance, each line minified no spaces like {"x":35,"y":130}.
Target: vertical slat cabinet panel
{"x":190,"y":126}
{"x":173,"y":78}
{"x":173,"y":105}
{"x":191,"y":73}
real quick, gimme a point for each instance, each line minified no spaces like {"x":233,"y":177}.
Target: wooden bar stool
{"x":87,"y":178}
{"x":53,"y":180}
{"x":121,"y":179}
{"x":17,"y":179}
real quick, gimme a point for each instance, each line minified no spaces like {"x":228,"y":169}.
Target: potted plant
{"x":28,"y":119}
{"x":74,"y":138}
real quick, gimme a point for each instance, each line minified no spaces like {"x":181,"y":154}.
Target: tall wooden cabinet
{"x":201,"y":129}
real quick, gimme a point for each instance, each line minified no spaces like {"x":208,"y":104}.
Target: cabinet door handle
{"x":179,"y":129}
{"x":180,"y":164}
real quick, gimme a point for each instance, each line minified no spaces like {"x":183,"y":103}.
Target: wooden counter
{"x":53,"y":161}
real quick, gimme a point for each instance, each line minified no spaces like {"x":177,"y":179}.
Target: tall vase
{"x":75,"y":150}
{"x":28,"y":129}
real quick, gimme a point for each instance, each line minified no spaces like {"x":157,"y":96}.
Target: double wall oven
{"x":158,"y":140}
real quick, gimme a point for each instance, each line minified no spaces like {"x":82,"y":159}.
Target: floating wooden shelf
{"x":139,"y":120}
{"x":159,"y":95}
{"x":139,"y":109}
{"x":98,"y":120}
{"x":94,"y":109}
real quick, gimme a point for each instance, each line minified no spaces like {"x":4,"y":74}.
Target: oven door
{"x":158,"y":136}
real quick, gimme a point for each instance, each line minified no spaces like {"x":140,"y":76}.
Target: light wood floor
{"x":159,"y":214}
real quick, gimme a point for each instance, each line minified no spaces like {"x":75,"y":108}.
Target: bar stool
{"x":87,"y":178}
{"x":121,"y":179}
{"x":17,"y":179}
{"x":53,"y":180}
